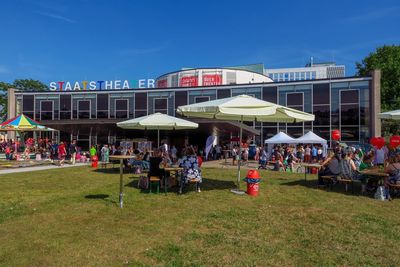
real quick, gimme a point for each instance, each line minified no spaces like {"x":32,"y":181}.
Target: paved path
{"x":39,"y":168}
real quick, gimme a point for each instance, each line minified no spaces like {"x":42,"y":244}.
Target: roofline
{"x":270,"y":84}
{"x":210,"y":68}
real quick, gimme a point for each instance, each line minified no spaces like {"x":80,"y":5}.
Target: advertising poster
{"x":188,"y":81}
{"x":212,"y":79}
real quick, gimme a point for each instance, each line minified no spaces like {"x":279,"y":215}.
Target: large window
{"x":350,"y":115}
{"x":295,"y":101}
{"x":223,"y":93}
{"x":28,"y":105}
{"x":102,"y":106}
{"x":121,"y":108}
{"x":46,"y":110}
{"x":181,"y":98}
{"x":160,"y":105}
{"x":200,"y":99}
{"x":140,"y":104}
{"x":321,"y":104}
{"x":65,"y":107}
{"x":83,"y":109}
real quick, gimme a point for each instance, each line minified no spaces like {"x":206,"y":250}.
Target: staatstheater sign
{"x":101,"y":85}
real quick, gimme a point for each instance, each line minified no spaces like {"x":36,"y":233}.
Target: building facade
{"x":348,"y":104}
{"x":311,"y":71}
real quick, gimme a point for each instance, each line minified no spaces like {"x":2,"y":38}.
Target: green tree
{"x":20,"y":84}
{"x":387,"y":59}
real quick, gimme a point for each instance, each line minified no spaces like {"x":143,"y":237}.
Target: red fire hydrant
{"x":253,"y":179}
{"x":95,"y":161}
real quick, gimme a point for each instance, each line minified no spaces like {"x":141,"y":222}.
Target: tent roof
{"x":281,"y":138}
{"x":394,"y":115}
{"x":311,"y":138}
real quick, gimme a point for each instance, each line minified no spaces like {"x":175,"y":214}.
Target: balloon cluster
{"x":336,"y":135}
{"x":378,"y":142}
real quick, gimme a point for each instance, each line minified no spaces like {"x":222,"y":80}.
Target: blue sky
{"x":71,"y":40}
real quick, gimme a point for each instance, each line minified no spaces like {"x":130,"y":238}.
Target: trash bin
{"x":95,"y":161}
{"x":253,"y":179}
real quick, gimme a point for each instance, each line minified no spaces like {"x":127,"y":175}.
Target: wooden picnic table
{"x":121,"y":173}
{"x":308,"y":166}
{"x":170,"y":169}
{"x":376,"y":172}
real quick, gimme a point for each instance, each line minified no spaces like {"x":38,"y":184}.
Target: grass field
{"x":70,"y":217}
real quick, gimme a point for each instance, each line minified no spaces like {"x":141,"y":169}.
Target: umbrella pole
{"x":158,"y":138}
{"x":237,"y":190}
{"x":240,"y":155}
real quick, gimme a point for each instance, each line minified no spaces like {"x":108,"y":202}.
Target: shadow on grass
{"x":104,"y":197}
{"x":336,"y":188}
{"x":208,"y":184}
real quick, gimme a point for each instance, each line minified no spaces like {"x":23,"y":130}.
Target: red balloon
{"x":336,"y":135}
{"x":395,"y":141}
{"x":378,"y":142}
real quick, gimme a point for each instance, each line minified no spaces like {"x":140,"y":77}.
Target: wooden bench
{"x":346,"y":183}
{"x":328,"y":180}
{"x":395,"y":188}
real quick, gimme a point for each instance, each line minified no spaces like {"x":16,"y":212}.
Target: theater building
{"x":350,"y":104}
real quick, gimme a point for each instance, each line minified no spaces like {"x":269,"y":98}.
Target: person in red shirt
{"x":62,"y":152}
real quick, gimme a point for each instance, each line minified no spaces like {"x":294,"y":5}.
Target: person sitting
{"x":330,"y":166}
{"x":154,"y":165}
{"x":393,"y":169}
{"x":277,"y":159}
{"x":191,"y":170}
{"x":348,"y":169}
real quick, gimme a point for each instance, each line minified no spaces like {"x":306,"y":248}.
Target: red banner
{"x":212,"y":79}
{"x":188,"y":81}
{"x":162,"y":83}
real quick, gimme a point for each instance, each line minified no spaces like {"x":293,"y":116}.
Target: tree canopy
{"x":20,"y":84}
{"x":387,"y":59}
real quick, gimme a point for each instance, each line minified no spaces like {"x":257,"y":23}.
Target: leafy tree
{"x":20,"y":84}
{"x":387,"y":59}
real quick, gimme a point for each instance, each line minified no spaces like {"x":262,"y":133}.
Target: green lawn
{"x":70,"y":217}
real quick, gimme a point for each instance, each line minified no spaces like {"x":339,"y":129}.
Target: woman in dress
{"x":191,"y":169}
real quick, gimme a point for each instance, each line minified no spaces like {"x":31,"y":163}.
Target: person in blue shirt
{"x":314,"y":153}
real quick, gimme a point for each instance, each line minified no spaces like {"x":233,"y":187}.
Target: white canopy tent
{"x":280,"y":138}
{"x":312,"y":138}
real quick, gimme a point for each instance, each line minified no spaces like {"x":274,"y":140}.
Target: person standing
{"x":93,"y":151}
{"x":105,"y":153}
{"x":62,"y":153}
{"x":72,"y":151}
{"x":307,"y":154}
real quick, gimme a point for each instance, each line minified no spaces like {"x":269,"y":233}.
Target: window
{"x":160,"y":105}
{"x":291,"y":76}
{"x":223,"y":93}
{"x":286,"y":76}
{"x":83,"y":109}
{"x":140,"y":104}
{"x":121,"y":108}
{"x":199,"y":99}
{"x":322,"y":115}
{"x":313,"y":75}
{"x":180,"y":99}
{"x":302,"y":76}
{"x":28,"y":105}
{"x":321,"y":93}
{"x":102,"y":106}
{"x":65,"y":107}
{"x":349,"y":115}
{"x":46,"y":110}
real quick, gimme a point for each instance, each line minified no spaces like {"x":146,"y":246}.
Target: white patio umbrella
{"x":244,"y":108}
{"x":394,"y":115}
{"x":157,"y":121}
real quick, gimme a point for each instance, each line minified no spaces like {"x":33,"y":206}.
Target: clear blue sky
{"x":70,"y":40}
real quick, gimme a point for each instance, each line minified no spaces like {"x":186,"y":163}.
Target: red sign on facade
{"x":212,"y":79}
{"x":162,"y":83}
{"x":188,"y":81}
